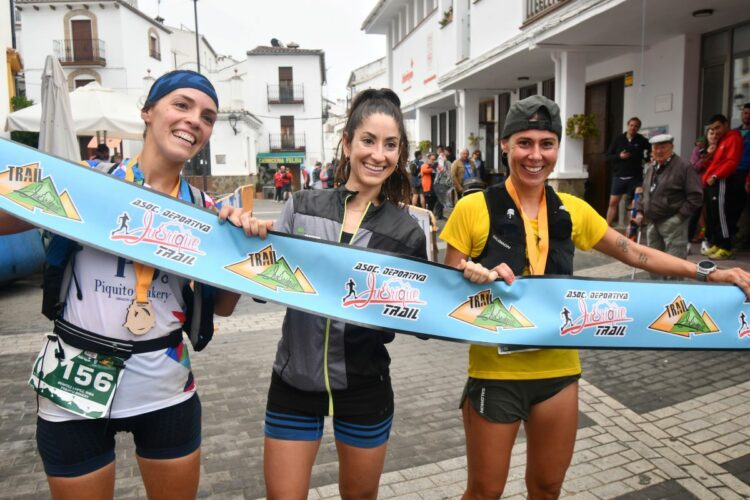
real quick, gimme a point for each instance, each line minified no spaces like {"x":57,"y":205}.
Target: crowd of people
{"x":439,"y":179}
{"x":679,"y":201}
{"x":329,"y":368}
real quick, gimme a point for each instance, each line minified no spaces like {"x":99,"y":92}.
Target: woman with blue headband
{"x":110,"y":301}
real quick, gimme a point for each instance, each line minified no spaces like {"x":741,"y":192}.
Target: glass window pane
{"x":716,"y":47}
{"x":741,"y":39}
{"x":713,"y":92}
{"x":740,"y":88}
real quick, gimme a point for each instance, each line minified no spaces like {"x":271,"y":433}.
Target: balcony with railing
{"x":286,"y":142}
{"x":286,"y":94}
{"x":80,"y":52}
{"x":536,"y":9}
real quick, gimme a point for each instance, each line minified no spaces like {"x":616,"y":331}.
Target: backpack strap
{"x":199,"y":298}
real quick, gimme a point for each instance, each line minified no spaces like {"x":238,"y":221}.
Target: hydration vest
{"x":59,"y":270}
{"x":507,"y":239}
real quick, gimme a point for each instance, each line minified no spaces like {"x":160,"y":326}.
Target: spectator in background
{"x":279,"y":182}
{"x":626,"y":154}
{"x":449,"y":154}
{"x":724,"y":188}
{"x":427,"y":175}
{"x":672,"y":193}
{"x":417,"y":194}
{"x":479,"y":164}
{"x":101,"y":155}
{"x":305,"y":177}
{"x":700,"y":158}
{"x":461,"y":170}
{"x":743,"y":230}
{"x":329,"y":174}
{"x":316,"y":182}
{"x":441,"y":188}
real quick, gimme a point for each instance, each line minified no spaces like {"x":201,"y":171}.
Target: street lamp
{"x":233,"y":122}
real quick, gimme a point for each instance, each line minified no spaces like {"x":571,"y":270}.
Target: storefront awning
{"x":290,"y":157}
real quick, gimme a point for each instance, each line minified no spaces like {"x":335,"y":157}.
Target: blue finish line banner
{"x":365,"y":287}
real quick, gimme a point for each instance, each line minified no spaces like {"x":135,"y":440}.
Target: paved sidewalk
{"x":653,"y":424}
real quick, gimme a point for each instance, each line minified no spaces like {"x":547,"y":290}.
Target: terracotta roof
{"x":262,"y":50}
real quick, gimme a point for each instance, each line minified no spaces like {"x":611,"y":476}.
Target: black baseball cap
{"x":535,"y":112}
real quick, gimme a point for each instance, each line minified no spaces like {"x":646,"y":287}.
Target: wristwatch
{"x":703,"y":269}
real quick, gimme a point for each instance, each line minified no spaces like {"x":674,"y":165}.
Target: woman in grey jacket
{"x":325,"y":367}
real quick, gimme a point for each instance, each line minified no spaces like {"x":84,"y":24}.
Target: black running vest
{"x":507,"y":239}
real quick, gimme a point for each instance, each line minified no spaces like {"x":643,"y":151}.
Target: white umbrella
{"x":56,"y":132}
{"x":94,"y":109}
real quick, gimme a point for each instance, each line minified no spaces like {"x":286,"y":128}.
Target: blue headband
{"x":181,"y":79}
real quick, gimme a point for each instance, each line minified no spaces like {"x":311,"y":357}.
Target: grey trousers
{"x":670,"y":236}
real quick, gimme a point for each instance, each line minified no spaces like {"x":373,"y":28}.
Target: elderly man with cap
{"x":672,"y":192}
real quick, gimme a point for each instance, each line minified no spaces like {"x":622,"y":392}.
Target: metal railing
{"x":286,"y":142}
{"x":539,"y":8}
{"x":80,"y":51}
{"x":286,"y":94}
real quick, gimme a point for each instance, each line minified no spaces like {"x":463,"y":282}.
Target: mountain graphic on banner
{"x":272,"y":274}
{"x":280,"y":274}
{"x":492,"y":316}
{"x":496,"y":314}
{"x":44,"y":196}
{"x":687,"y":320}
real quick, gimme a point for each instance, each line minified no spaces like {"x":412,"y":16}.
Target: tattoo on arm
{"x":642,"y":258}
{"x":622,"y":243}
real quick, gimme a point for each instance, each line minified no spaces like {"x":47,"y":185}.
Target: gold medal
{"x":140,"y":318}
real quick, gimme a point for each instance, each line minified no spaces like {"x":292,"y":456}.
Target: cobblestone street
{"x":653,"y":424}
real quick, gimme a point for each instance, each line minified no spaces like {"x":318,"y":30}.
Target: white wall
{"x":492,"y":23}
{"x":418,"y":58}
{"x":125,"y":36}
{"x":238,"y":150}
{"x":654,"y":85}
{"x":261,"y":71}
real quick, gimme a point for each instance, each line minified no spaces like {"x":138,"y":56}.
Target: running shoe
{"x":721,"y":254}
{"x":707,"y":250}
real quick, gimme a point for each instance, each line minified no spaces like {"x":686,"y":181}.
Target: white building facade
{"x":118,"y":46}
{"x":459,"y":64}
{"x":108,"y":41}
{"x":283,"y":87}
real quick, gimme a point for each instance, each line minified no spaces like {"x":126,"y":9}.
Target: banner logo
{"x":171,"y":234}
{"x":598,"y":310}
{"x":387,"y":286}
{"x":682,"y":319}
{"x":264,"y":268}
{"x":24,"y":186}
{"x":490,"y":313}
{"x":744,"y":330}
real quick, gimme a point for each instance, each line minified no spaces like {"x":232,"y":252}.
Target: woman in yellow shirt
{"x":525,"y":227}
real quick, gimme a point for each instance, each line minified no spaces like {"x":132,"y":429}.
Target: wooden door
{"x":83,"y":49}
{"x":606,"y":101}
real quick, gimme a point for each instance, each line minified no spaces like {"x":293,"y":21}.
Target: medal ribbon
{"x":536,"y":250}
{"x":144,"y":275}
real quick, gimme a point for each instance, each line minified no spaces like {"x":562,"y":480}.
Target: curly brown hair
{"x":396,"y":187}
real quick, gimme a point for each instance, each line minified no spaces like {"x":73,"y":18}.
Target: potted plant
{"x":447,"y":17}
{"x":581,"y":126}
{"x":474,"y":140}
{"x":424,"y":146}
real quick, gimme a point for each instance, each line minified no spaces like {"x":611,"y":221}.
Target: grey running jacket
{"x":355,"y":356}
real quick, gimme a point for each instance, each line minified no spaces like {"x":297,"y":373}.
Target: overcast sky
{"x":233,"y":27}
